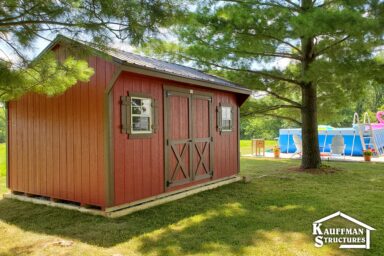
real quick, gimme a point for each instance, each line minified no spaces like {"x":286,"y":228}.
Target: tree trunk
{"x":311,"y":152}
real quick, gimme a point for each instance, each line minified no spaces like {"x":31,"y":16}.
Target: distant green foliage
{"x":246,"y":147}
{"x":3,"y":161}
{"x":3,"y":125}
{"x":265,"y":128}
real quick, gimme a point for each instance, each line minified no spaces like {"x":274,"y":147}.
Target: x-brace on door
{"x":188,"y":135}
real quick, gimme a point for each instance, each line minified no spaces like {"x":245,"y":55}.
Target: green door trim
{"x":108,"y":140}
{"x":190,"y":142}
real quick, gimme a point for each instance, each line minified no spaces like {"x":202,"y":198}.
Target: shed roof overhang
{"x":139,"y":69}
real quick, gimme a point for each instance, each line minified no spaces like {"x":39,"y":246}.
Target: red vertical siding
{"x":57,"y":143}
{"x":77,"y":132}
{"x":56,"y":148}
{"x":139,"y":163}
{"x":92,"y":96}
{"x":43,"y":138}
{"x":49,"y":146}
{"x":226,"y":150}
{"x":102,"y":79}
{"x":63,"y":129}
{"x":70,"y":145}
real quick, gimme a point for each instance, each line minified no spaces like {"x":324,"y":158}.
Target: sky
{"x":7,"y":53}
{"x":39,"y":44}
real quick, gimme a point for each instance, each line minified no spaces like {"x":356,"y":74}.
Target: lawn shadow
{"x":230,"y":218}
{"x":276,"y":209}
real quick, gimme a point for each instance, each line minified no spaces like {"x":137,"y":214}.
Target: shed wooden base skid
{"x":119,"y":211}
{"x":47,"y":201}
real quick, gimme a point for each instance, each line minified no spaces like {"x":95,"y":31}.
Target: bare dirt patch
{"x":324,"y":169}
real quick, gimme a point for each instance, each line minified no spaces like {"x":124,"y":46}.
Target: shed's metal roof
{"x":171,"y":68}
{"x":159,"y":66}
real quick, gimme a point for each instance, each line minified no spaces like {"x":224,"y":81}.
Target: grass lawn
{"x":272,"y":215}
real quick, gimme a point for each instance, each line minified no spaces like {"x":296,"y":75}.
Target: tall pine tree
{"x":25,"y":23}
{"x":330,"y":46}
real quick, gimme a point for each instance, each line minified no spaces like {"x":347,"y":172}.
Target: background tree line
{"x":371,"y":100}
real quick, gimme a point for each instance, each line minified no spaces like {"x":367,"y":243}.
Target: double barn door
{"x":188,"y":136}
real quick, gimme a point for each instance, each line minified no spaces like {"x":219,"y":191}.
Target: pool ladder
{"x":366,"y":133}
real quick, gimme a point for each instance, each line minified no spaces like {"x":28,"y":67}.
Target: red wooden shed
{"x":140,"y":130}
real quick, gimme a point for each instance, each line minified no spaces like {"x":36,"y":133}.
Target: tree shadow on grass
{"x":229,"y":218}
{"x":276,"y":210}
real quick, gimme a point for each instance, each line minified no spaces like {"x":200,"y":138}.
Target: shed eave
{"x":170,"y":76}
{"x":147,"y":70}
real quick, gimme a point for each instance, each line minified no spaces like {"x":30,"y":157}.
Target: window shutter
{"x":218,"y":118}
{"x":125,"y":114}
{"x":129,"y":125}
{"x":154,"y":115}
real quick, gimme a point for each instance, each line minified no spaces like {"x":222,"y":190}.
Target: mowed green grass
{"x":272,"y":215}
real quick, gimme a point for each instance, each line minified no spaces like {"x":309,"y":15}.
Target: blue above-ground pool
{"x":351,"y":139}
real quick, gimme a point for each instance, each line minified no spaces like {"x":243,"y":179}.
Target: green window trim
{"x":141,"y":109}
{"x":127,"y":115}
{"x":221,"y":109}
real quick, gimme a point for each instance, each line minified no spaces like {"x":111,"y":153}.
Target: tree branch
{"x":273,"y":115}
{"x":275,"y":107}
{"x":325,"y":4}
{"x":266,"y":54}
{"x":261,"y":73}
{"x":270,"y":37}
{"x":283,"y":117}
{"x":273,"y":4}
{"x":35,"y":22}
{"x":293,"y":4}
{"x":18,"y":53}
{"x":330,"y":46}
{"x":297,"y":104}
{"x":63,"y":23}
{"x":21,"y":14}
